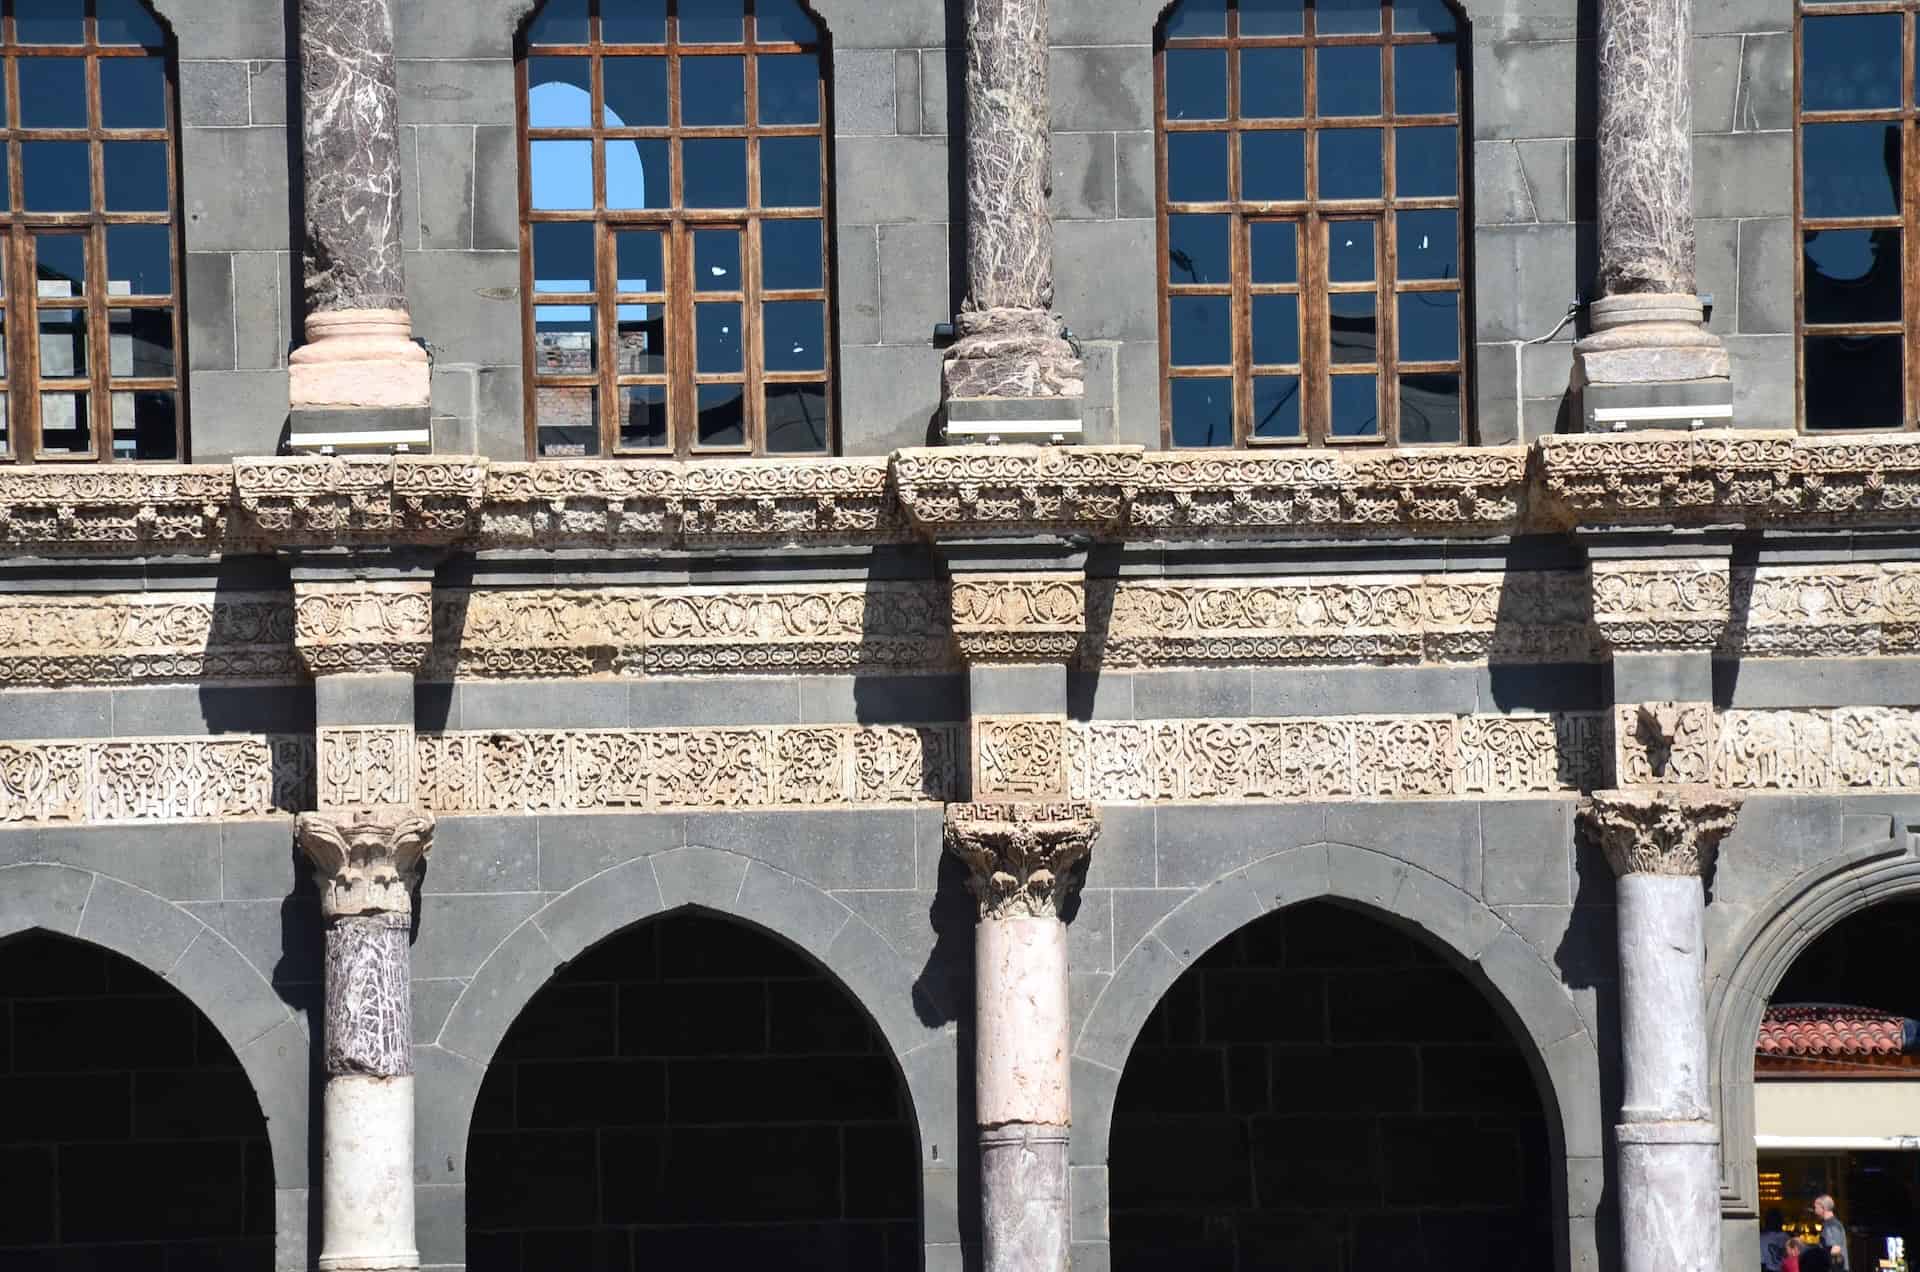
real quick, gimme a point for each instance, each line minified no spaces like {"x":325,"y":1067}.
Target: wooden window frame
{"x":1905,"y":219}
{"x":677,"y":225}
{"x":22,"y":385}
{"x":1311,"y":215}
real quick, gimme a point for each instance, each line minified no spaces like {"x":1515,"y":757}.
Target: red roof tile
{"x":1828,"y":1030}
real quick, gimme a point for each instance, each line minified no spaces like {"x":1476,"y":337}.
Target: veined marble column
{"x":1661,"y":844}
{"x":1648,"y":345}
{"x":367,"y":861}
{"x":1021,"y":856}
{"x":360,"y":371}
{"x":1011,"y":348}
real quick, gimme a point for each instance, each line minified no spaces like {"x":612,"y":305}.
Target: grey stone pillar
{"x":1661,"y":844}
{"x":364,"y":640}
{"x":1011,"y":363}
{"x":1648,"y":347}
{"x":1021,"y":857}
{"x":360,"y":382}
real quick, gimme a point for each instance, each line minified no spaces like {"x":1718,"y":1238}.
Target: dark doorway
{"x":1321,"y":1091}
{"x":129,"y":1135}
{"x":692,"y":1093}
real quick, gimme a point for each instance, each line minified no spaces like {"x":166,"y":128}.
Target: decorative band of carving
{"x":366,"y":860}
{"x":67,"y":639}
{"x":1021,"y":855}
{"x":1019,"y":757}
{"x":1018,"y":617}
{"x":1661,"y":604}
{"x":364,"y":766}
{"x":1825,"y":611}
{"x":363,"y":627}
{"x":959,"y":489}
{"x":1664,"y":831}
{"x":154,"y":779}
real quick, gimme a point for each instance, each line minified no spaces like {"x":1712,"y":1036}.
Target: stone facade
{"x":441,"y":784}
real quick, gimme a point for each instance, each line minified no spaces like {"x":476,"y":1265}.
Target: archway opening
{"x":1837,"y":1089}
{"x":693,"y":1092}
{"x":1321,"y":1088}
{"x":129,"y":1135}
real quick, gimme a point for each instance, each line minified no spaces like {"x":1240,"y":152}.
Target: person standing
{"x":1773,"y":1243}
{"x":1827,"y":1253}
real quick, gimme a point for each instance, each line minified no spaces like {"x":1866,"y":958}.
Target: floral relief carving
{"x":1021,"y":856}
{"x":135,"y":780}
{"x":1661,"y":604}
{"x":1665,"y":831}
{"x":1019,"y":756}
{"x":67,"y":639}
{"x":1082,"y":489}
{"x":1664,"y":742}
{"x":1018,"y":618}
{"x":363,"y":627}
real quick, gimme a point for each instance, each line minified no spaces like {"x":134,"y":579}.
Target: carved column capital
{"x":1663,"y":605}
{"x":1021,"y":854}
{"x":367,"y":860}
{"x":1672,"y":830}
{"x":1018,"y":618}
{"x":363,"y":627}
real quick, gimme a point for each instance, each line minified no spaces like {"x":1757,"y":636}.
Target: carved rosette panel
{"x":60,"y":509}
{"x":366,"y":860}
{"x":1002,"y":618}
{"x":1661,"y":605}
{"x":369,"y":992}
{"x":67,"y":639}
{"x":1019,"y":756}
{"x":134,"y":780}
{"x":364,"y":765}
{"x":1082,"y":489}
{"x":1020,"y":855}
{"x":1664,"y":742}
{"x":663,"y":769}
{"x":363,"y":627}
{"x":1665,"y":831}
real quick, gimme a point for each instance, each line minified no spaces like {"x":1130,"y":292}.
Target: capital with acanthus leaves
{"x":1668,"y":830}
{"x":367,"y":860}
{"x":1021,"y":855}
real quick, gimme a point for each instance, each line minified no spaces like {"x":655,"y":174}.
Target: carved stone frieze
{"x":415,"y":499}
{"x":585,"y":770}
{"x":1013,"y":618}
{"x":1009,"y":489}
{"x":366,"y":860}
{"x":1664,"y":604}
{"x":1019,"y":757}
{"x":1821,"y":611}
{"x":154,"y":779}
{"x":66,"y":509}
{"x":364,"y":626}
{"x":1660,"y":743}
{"x":59,"y":638}
{"x":364,"y":765}
{"x":1674,"y":830}
{"x":1021,"y":855}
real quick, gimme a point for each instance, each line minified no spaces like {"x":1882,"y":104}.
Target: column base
{"x":1651,"y":363}
{"x":1012,"y":353}
{"x":1025,"y":1216}
{"x":360,"y":359}
{"x":1669,"y":1196}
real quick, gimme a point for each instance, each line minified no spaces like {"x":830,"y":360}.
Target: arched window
{"x":1856,"y":111}
{"x":674,"y":257}
{"x":89,"y":366}
{"x":1310,"y":222}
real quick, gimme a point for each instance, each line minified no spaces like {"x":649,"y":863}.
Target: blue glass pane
{"x":1427,"y":243}
{"x":1348,"y":80}
{"x":639,"y":260}
{"x":1271,"y":17}
{"x":1350,"y":163}
{"x":794,"y":335}
{"x":1350,"y":255}
{"x":1276,"y":330}
{"x":1275,"y":250}
{"x":712,"y":22}
{"x":1199,"y":249}
{"x":136,"y":174}
{"x":56,"y":176}
{"x":1850,"y":169}
{"x":713,"y":91}
{"x":1197,"y":167}
{"x":48,"y":21}
{"x":1355,"y":406}
{"x":796,"y":421}
{"x":53,"y":91}
{"x":723,"y":420}
{"x":1197,"y":18}
{"x":562,"y":257}
{"x":1276,"y":406}
{"x":633,"y":21}
{"x":60,"y":263}
{"x":783,"y":22}
{"x":639,"y":173}
{"x":562,"y":176}
{"x":559,"y":22}
{"x":133,"y":92}
{"x":1429,"y":326}
{"x":789,"y":172}
{"x":1433,"y":17}
{"x":643,"y":416}
{"x":716,"y":328}
{"x":1352,"y":327}
{"x":790,"y":88}
{"x":559,"y":92}
{"x":139,"y":260}
{"x":1273,"y":83}
{"x":1202,"y":412}
{"x":1430,"y":407}
{"x":1426,"y":162}
{"x":1196,"y":83}
{"x":636,"y":91}
{"x":1852,"y":275}
{"x":127,"y":22}
{"x":1346,"y":17}
{"x":716,"y":261}
{"x":1850,"y":61}
{"x":1200,"y":331}
{"x":1854,"y":382}
{"x":791,"y":255}
{"x":1424,"y":76}
{"x":1273,"y":165}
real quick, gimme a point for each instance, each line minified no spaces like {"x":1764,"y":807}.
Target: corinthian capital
{"x":1020,"y":854}
{"x":363,"y":627}
{"x":367,"y":860}
{"x":1663,"y":830}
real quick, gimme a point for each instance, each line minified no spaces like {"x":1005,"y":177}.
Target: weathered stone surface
{"x":1020,"y":855}
{"x":369,"y":996}
{"x":1645,"y":147}
{"x":366,"y":860}
{"x":1662,"y":831}
{"x":1025,"y":1215}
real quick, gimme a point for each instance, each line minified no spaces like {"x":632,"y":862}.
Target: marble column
{"x":360,"y":371}
{"x":1011,"y":347}
{"x":1661,"y":843}
{"x":367,"y":862}
{"x":1021,"y":858}
{"x":1647,"y":345}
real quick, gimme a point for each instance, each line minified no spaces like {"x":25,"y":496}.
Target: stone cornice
{"x":1711,"y":477}
{"x":1021,"y":854}
{"x":367,"y":859}
{"x":1674,"y":830}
